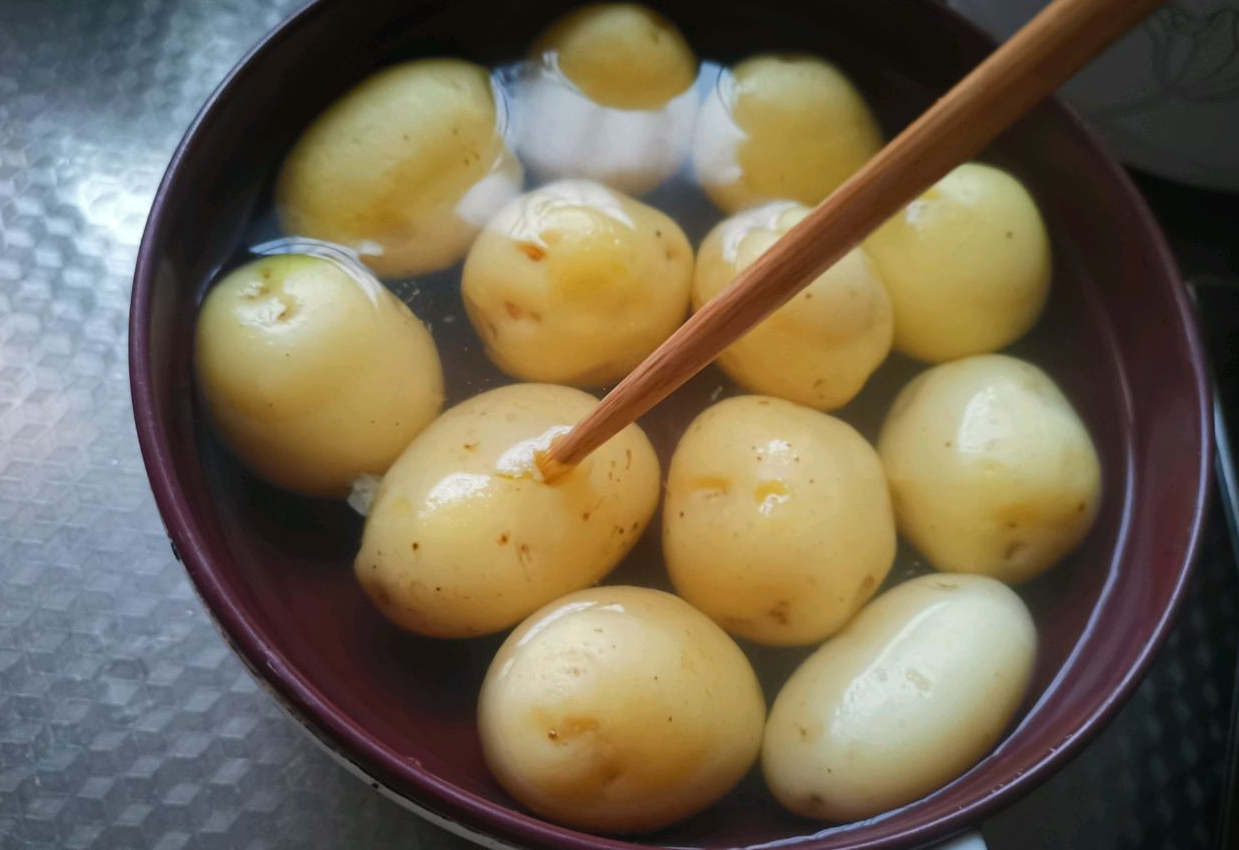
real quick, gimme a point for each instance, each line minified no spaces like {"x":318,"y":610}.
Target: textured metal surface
{"x":124,"y":719}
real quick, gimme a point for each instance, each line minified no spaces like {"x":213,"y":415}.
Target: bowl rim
{"x":502,"y":826}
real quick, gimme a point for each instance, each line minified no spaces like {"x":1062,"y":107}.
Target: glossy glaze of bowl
{"x":275,"y":570}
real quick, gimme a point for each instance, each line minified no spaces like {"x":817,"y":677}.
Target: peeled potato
{"x":619,"y":709}
{"x":622,"y":55}
{"x":464,"y":538}
{"x":777,"y":522}
{"x":967,"y":265}
{"x":402,"y":169}
{"x":910,"y":695}
{"x":575,"y":284}
{"x":990,"y":468}
{"x":820,"y":347}
{"x":781,"y":126}
{"x":313,"y":372}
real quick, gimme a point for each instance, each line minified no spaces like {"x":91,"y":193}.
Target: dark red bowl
{"x":274,"y":570}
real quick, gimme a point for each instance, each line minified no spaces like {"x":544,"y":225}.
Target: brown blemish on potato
{"x":470,"y":446}
{"x":778,"y":612}
{"x":1013,"y":549}
{"x":514,"y":311}
{"x":585,"y":515}
{"x":713,"y":485}
{"x":525,"y":555}
{"x":415,"y":546}
{"x":531,"y":250}
{"x":504,"y":538}
{"x":864,"y":590}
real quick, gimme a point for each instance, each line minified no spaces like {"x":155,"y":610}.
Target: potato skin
{"x":460,"y":542}
{"x":574,"y":283}
{"x":991,"y":470}
{"x":313,"y":372}
{"x":910,"y":695}
{"x":819,"y":348}
{"x":967,"y":265}
{"x":619,"y":709}
{"x":777,"y":522}
{"x":621,"y":55}
{"x":781,"y":126}
{"x":400,"y":168}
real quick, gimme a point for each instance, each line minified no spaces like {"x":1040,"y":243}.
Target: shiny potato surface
{"x":313,"y":372}
{"x":819,"y":348}
{"x":464,"y":538}
{"x":402,"y":169}
{"x":777,"y":522}
{"x":781,"y":126}
{"x":991,"y":469}
{"x":910,"y":695}
{"x":966,"y":265}
{"x":621,"y":55}
{"x":619,"y":709}
{"x":574,"y":283}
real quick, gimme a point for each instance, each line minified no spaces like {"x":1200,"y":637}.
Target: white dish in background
{"x":1166,"y":96}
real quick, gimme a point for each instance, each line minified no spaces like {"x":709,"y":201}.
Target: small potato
{"x":619,"y":709}
{"x":910,"y":695}
{"x":575,"y":284}
{"x":402,"y":169}
{"x":781,"y":126}
{"x":820,"y":347}
{"x":621,"y":55}
{"x":777,"y":522}
{"x":313,"y":372}
{"x":991,"y":470}
{"x":967,"y":265}
{"x":464,"y":538}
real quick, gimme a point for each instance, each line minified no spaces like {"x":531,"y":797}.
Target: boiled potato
{"x":621,"y":55}
{"x":966,"y":265}
{"x":314,"y":373}
{"x":575,"y":284}
{"x":464,"y":538}
{"x":402,"y":169}
{"x":820,"y":347}
{"x":777,"y":521}
{"x":781,"y":126}
{"x":619,"y":709}
{"x":990,"y":468}
{"x":910,"y":695}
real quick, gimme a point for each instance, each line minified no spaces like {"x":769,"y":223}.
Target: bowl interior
{"x":276,"y":570}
